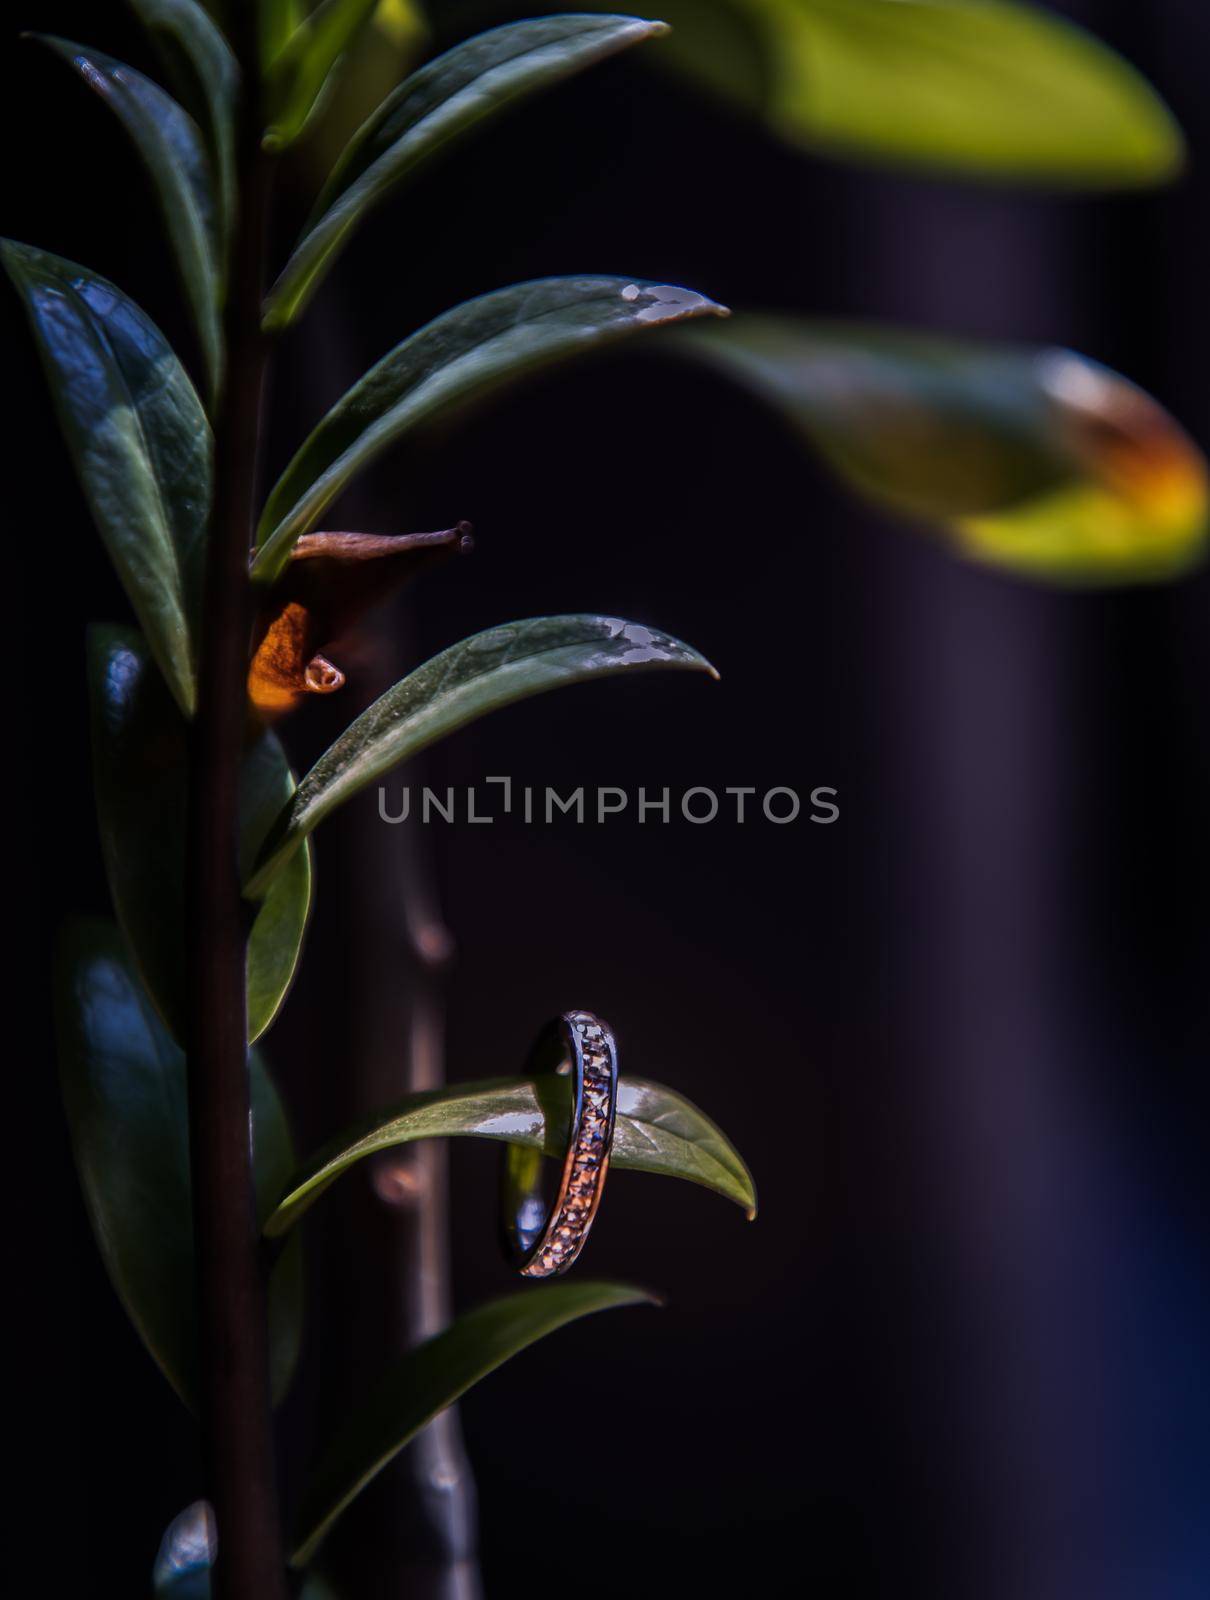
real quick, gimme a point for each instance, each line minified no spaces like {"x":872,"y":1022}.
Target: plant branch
{"x":439,"y":1510}
{"x":235,"y":1408}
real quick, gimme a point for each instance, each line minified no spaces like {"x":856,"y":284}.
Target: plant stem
{"x":234,"y":1391}
{"x":437,"y":1510}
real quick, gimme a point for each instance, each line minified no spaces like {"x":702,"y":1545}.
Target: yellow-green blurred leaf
{"x":277,"y":21}
{"x":298,"y":77}
{"x":1037,"y":460}
{"x":991,"y":88}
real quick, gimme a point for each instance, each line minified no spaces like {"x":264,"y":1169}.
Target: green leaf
{"x":443,"y":100}
{"x":656,"y":1130}
{"x":299,"y":73}
{"x":429,"y":1379}
{"x":982,"y":87}
{"x":477,"y":675}
{"x":125,"y":1092}
{"x":279,"y":21}
{"x":173,"y":151}
{"x":1036,"y":460}
{"x":205,"y":76}
{"x":460,"y":357}
{"x":140,"y":443}
{"x":140,"y":750}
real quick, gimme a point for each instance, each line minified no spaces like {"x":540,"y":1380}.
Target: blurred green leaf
{"x":988,"y":88}
{"x":1036,"y":460}
{"x":432,"y":1377}
{"x":173,"y":151}
{"x":299,"y":73}
{"x":460,"y":357}
{"x":205,"y":76}
{"x":140,"y":749}
{"x":379,"y":58}
{"x":657,"y":1130}
{"x":124,"y":1088}
{"x":443,"y":100}
{"x":139,"y":439}
{"x":480,"y":674}
{"x":279,"y":21}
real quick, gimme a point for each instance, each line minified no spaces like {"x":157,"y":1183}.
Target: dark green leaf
{"x":657,"y":1130}
{"x":275,"y":943}
{"x":986,"y":87}
{"x":477,"y":675}
{"x":205,"y":76}
{"x":174,"y":153}
{"x":444,"y":99}
{"x":1037,"y":460}
{"x":432,"y":1377}
{"x":124,"y":1089}
{"x":140,"y":749}
{"x":299,"y":73}
{"x":139,"y":439}
{"x":139,"y":761}
{"x":460,"y":357}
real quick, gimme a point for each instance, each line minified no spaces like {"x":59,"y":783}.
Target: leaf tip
{"x":630,"y":1294}
{"x":277,"y":1222}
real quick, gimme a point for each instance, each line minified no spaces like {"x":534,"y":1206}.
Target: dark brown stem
{"x":234,"y":1391}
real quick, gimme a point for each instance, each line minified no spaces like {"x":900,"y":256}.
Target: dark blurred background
{"x":959,"y":1035}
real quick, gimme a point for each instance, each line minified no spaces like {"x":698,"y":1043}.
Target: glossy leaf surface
{"x":460,"y":357}
{"x":434,"y":1376}
{"x":480,"y":674}
{"x":1035,"y":460}
{"x":299,"y":73}
{"x":186,"y":1557}
{"x":124,"y":1088}
{"x":205,"y":76}
{"x":140,"y":775}
{"x":172,"y":149}
{"x":990,"y":88}
{"x":138,"y":438}
{"x":657,"y":1130}
{"x":445,"y":99}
